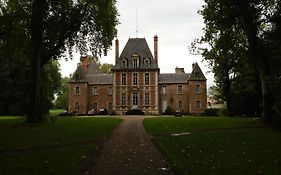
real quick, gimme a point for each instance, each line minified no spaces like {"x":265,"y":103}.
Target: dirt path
{"x":129,"y":151}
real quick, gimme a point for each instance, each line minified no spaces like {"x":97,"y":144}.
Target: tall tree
{"x":54,"y":27}
{"x":249,"y":21}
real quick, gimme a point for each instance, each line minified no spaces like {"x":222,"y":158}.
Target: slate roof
{"x":173,"y":78}
{"x":79,"y":75}
{"x":137,"y":46}
{"x":100,"y":78}
{"x":197,"y":73}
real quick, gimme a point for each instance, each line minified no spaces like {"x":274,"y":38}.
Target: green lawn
{"x":213,"y":150}
{"x":60,"y":147}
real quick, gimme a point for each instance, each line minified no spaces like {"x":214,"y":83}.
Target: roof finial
{"x":136,"y":22}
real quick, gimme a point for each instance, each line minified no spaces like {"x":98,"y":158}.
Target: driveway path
{"x":129,"y":151}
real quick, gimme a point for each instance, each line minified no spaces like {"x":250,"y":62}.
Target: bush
{"x":169,"y":111}
{"x":211,"y":112}
{"x":134,"y":112}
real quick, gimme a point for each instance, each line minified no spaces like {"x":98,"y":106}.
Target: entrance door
{"x":135,"y":100}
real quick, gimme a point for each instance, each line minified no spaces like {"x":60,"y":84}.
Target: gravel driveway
{"x":129,"y":151}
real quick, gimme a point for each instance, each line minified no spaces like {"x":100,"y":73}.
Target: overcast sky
{"x":176,"y":23}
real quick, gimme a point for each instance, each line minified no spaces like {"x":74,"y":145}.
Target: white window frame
{"x":77,"y":90}
{"x":146,"y":79}
{"x":179,"y":89}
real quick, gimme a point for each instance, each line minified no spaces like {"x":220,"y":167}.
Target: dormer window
{"x":146,"y":63}
{"x":135,"y":59}
{"x":124,"y":63}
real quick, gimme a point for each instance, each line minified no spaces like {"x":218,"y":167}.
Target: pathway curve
{"x":129,"y":151}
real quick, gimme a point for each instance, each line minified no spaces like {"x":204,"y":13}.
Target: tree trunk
{"x":38,"y":12}
{"x":259,"y":54}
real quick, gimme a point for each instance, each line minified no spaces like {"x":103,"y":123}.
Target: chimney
{"x":179,"y":70}
{"x":156,"y":49}
{"x":84,"y":62}
{"x":116,"y":50}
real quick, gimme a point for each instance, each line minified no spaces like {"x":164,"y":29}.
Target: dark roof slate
{"x":197,"y":73}
{"x":137,"y":46}
{"x":79,"y":75}
{"x":100,"y":78}
{"x":173,"y":78}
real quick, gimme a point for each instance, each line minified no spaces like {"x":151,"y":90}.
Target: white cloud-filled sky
{"x":176,"y":23}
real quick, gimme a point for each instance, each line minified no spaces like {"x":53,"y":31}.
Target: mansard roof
{"x":99,"y":79}
{"x":197,"y":73}
{"x":139,"y":47}
{"x":173,"y":78}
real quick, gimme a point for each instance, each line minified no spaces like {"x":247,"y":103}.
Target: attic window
{"x":77,"y":77}
{"x":146,"y":63}
{"x":196,"y":75}
{"x":124,"y":63}
{"x":135,"y":59}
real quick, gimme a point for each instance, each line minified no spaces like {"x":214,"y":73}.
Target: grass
{"x":208,"y":150}
{"x":60,"y":147}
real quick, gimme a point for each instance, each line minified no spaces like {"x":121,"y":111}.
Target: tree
{"x":61,"y":101}
{"x":240,"y":48}
{"x":53,"y":27}
{"x":106,"y":68}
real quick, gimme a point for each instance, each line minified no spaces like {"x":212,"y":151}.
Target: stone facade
{"x":135,"y":83}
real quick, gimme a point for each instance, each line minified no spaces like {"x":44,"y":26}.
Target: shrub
{"x":211,"y":112}
{"x":169,"y":111}
{"x":134,"y":112}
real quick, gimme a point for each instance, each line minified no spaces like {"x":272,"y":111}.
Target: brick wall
{"x":81,"y":98}
{"x":197,"y":97}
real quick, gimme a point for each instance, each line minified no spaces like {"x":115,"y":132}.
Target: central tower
{"x":135,"y":77}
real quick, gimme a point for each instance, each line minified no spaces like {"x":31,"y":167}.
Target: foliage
{"x":242,"y":52}
{"x":106,"y":68}
{"x":37,"y":32}
{"x":61,"y":101}
{"x":60,"y":147}
{"x":169,"y":111}
{"x":211,"y":112}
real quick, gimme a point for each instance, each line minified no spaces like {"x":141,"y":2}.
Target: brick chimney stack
{"x":84,"y":62}
{"x":156,"y":49}
{"x":116,"y":50}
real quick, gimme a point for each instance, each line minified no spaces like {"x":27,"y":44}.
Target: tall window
{"x":110,"y":106}
{"x":135,"y":59}
{"x":135,"y":98}
{"x":164,"y":89}
{"x":135,"y":63}
{"x":180,"y":104}
{"x":95,"y":106}
{"x":95,"y":90}
{"x":123,"y":81}
{"x":135,"y":79}
{"x":77,"y":90}
{"x":110,"y":91}
{"x":198,"y":104}
{"x":146,"y":99}
{"x":123,"y":99}
{"x":197,"y":90}
{"x":146,"y":78}
{"x":179,"y":89}
{"x":76,"y":106}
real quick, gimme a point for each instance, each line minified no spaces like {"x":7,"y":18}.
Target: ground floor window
{"x":110,"y":106}
{"x":146,"y":99}
{"x":180,"y":104}
{"x":198,"y":104}
{"x":95,"y":106}
{"x":123,"y":99}
{"x":76,"y":106}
